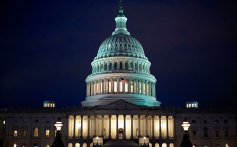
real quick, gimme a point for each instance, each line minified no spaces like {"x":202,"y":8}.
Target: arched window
{"x":98,"y":68}
{"x":126,"y":66}
{"x":115,"y":65}
{"x":70,"y":145}
{"x":105,"y":67}
{"x":121,"y":65}
{"x":110,"y":66}
{"x":84,"y":145}
{"x":36,"y":132}
{"x":14,"y":145}
{"x":156,"y":145}
{"x":77,"y":145}
{"x":131,"y":66}
{"x":136,"y":66}
{"x":226,"y":145}
{"x":140,"y":67}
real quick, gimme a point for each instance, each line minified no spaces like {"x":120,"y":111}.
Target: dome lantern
{"x":121,"y":20}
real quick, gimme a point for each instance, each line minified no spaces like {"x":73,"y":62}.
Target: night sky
{"x":47,"y":48}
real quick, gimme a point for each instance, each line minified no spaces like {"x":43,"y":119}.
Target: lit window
{"x":109,"y":86}
{"x":47,"y":133}
{"x":47,"y":145}
{"x":36,"y":132}
{"x":4,"y":122}
{"x":121,"y":86}
{"x":15,"y":133}
{"x":35,"y":145}
{"x":132,"y":87}
{"x":126,"y":87}
{"x":115,"y":86}
{"x":226,"y":145}
{"x":14,"y":145}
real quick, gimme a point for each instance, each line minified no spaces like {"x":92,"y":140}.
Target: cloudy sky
{"x":47,"y":47}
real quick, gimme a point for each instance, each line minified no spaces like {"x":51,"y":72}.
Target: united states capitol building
{"x":120,"y":109}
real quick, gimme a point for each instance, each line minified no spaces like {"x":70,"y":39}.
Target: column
{"x":160,"y":126}
{"x":129,"y":86}
{"x":124,"y":124}
{"x":118,"y":85}
{"x":153,"y":126}
{"x":94,"y":125}
{"x":139,"y":127}
{"x":167,"y":133}
{"x":102,"y":81}
{"x":146,"y":131}
{"x":89,"y":117}
{"x":102,"y":124}
{"x":142,"y":82}
{"x":117,"y":126}
{"x":74,"y":127}
{"x":131,"y":126}
{"x":109,"y":126}
{"x":99,"y":83}
{"x":82,"y":126}
{"x":112,"y":85}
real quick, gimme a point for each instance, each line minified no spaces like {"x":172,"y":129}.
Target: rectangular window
{"x":47,"y":133}
{"x":36,"y":132}
{"x":15,"y":133}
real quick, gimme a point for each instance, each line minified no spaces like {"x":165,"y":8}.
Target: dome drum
{"x":120,"y":64}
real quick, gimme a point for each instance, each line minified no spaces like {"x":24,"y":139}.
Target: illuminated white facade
{"x":120,"y":105}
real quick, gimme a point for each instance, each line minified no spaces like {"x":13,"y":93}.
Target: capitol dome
{"x":121,"y":71}
{"x":121,"y":45}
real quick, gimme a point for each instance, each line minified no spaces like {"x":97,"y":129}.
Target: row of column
{"x":113,"y":126}
{"x":119,"y":85}
{"x":120,"y":66}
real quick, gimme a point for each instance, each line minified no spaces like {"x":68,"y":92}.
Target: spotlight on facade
{"x":144,"y":141}
{"x":97,"y":141}
{"x":58,"y":125}
{"x":186,"y":141}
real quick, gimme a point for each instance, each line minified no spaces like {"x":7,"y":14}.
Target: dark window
{"x":36,"y":121}
{"x":217,"y":133}
{"x":115,"y":65}
{"x":205,"y":132}
{"x":105,"y":67}
{"x":226,"y":133}
{"x":194,"y":133}
{"x":193,"y":121}
{"x":225,"y":121}
{"x":121,"y":65}
{"x":205,"y":121}
{"x":126,"y":65}
{"x":110,"y":66}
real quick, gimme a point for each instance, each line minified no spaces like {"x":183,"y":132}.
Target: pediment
{"x":120,"y":105}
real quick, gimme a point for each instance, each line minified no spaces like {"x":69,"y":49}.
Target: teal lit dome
{"x":120,"y":71}
{"x":121,"y":44}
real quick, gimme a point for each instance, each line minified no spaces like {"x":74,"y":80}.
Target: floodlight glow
{"x":58,"y":125}
{"x":185,"y":125}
